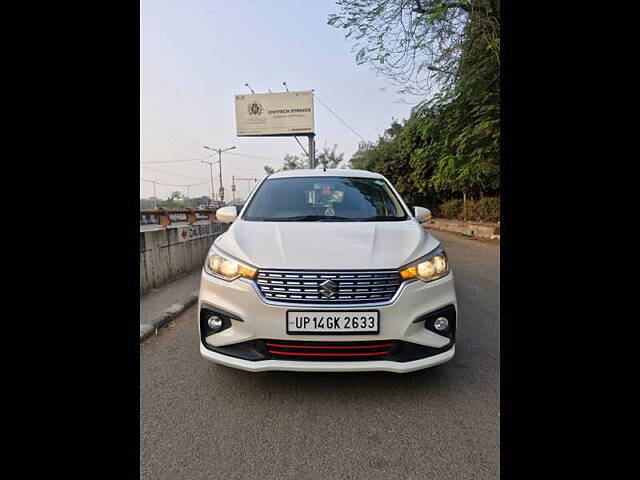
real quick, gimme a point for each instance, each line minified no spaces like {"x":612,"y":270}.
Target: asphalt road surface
{"x":199,"y":420}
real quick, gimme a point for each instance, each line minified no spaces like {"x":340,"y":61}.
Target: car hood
{"x":327,"y":245}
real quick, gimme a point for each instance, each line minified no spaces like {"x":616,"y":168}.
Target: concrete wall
{"x":169,"y":253}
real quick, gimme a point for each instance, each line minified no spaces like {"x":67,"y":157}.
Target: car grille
{"x":362,"y":286}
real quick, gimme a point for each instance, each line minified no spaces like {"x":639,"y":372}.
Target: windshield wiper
{"x":384,"y":217}
{"x":313,"y":218}
{"x":326,"y":218}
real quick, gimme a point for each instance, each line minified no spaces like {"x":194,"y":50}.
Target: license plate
{"x":324,"y":322}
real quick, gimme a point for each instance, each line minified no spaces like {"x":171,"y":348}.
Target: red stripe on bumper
{"x":384,"y":345}
{"x":297,"y":354}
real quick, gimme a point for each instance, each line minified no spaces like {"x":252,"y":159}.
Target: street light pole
{"x":233,"y":188}
{"x":219,"y":150}
{"x":211,"y":173}
{"x":249,"y":180}
{"x":155,"y":199}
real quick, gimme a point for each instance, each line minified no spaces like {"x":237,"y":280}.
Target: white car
{"x":326,"y":271}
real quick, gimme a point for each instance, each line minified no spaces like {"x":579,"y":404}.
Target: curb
{"x":175,"y":310}
{"x":474,"y":230}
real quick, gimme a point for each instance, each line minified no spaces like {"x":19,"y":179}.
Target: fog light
{"x":215,"y":323}
{"x":441,"y":324}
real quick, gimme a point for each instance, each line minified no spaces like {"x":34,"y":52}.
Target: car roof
{"x":329,"y":172}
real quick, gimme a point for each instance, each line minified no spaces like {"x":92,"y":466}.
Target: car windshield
{"x":333,"y":199}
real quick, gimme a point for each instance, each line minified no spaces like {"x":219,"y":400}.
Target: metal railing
{"x":164,"y":217}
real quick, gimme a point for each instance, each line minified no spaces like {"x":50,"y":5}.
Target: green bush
{"x":450,"y":209}
{"x":486,"y":209}
{"x":469,"y":212}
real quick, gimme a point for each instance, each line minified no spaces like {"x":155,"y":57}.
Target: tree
{"x":363,"y":158}
{"x":294,"y":162}
{"x":174,"y":201}
{"x":416,"y":44}
{"x":450,"y":145}
{"x":147,"y":203}
{"x":203,"y":200}
{"x":290,"y":162}
{"x":329,"y":158}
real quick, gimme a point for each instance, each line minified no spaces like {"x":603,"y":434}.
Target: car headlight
{"x":431,"y":267}
{"x":227,"y":268}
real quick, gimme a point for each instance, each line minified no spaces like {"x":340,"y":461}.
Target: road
{"x":204,"y":421}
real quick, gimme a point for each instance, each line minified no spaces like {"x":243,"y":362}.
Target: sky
{"x":195,"y":55}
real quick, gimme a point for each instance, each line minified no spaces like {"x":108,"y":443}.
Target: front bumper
{"x":333,"y":366}
{"x":257,"y":319}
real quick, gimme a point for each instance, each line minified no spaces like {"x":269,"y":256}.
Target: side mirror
{"x":422,"y":214}
{"x":227,"y":214}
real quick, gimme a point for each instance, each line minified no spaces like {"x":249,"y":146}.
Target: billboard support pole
{"x":312,"y":151}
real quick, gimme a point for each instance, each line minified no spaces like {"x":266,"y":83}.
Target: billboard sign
{"x":274,"y":114}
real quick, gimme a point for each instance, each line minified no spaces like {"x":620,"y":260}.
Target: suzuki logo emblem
{"x":328,"y":289}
